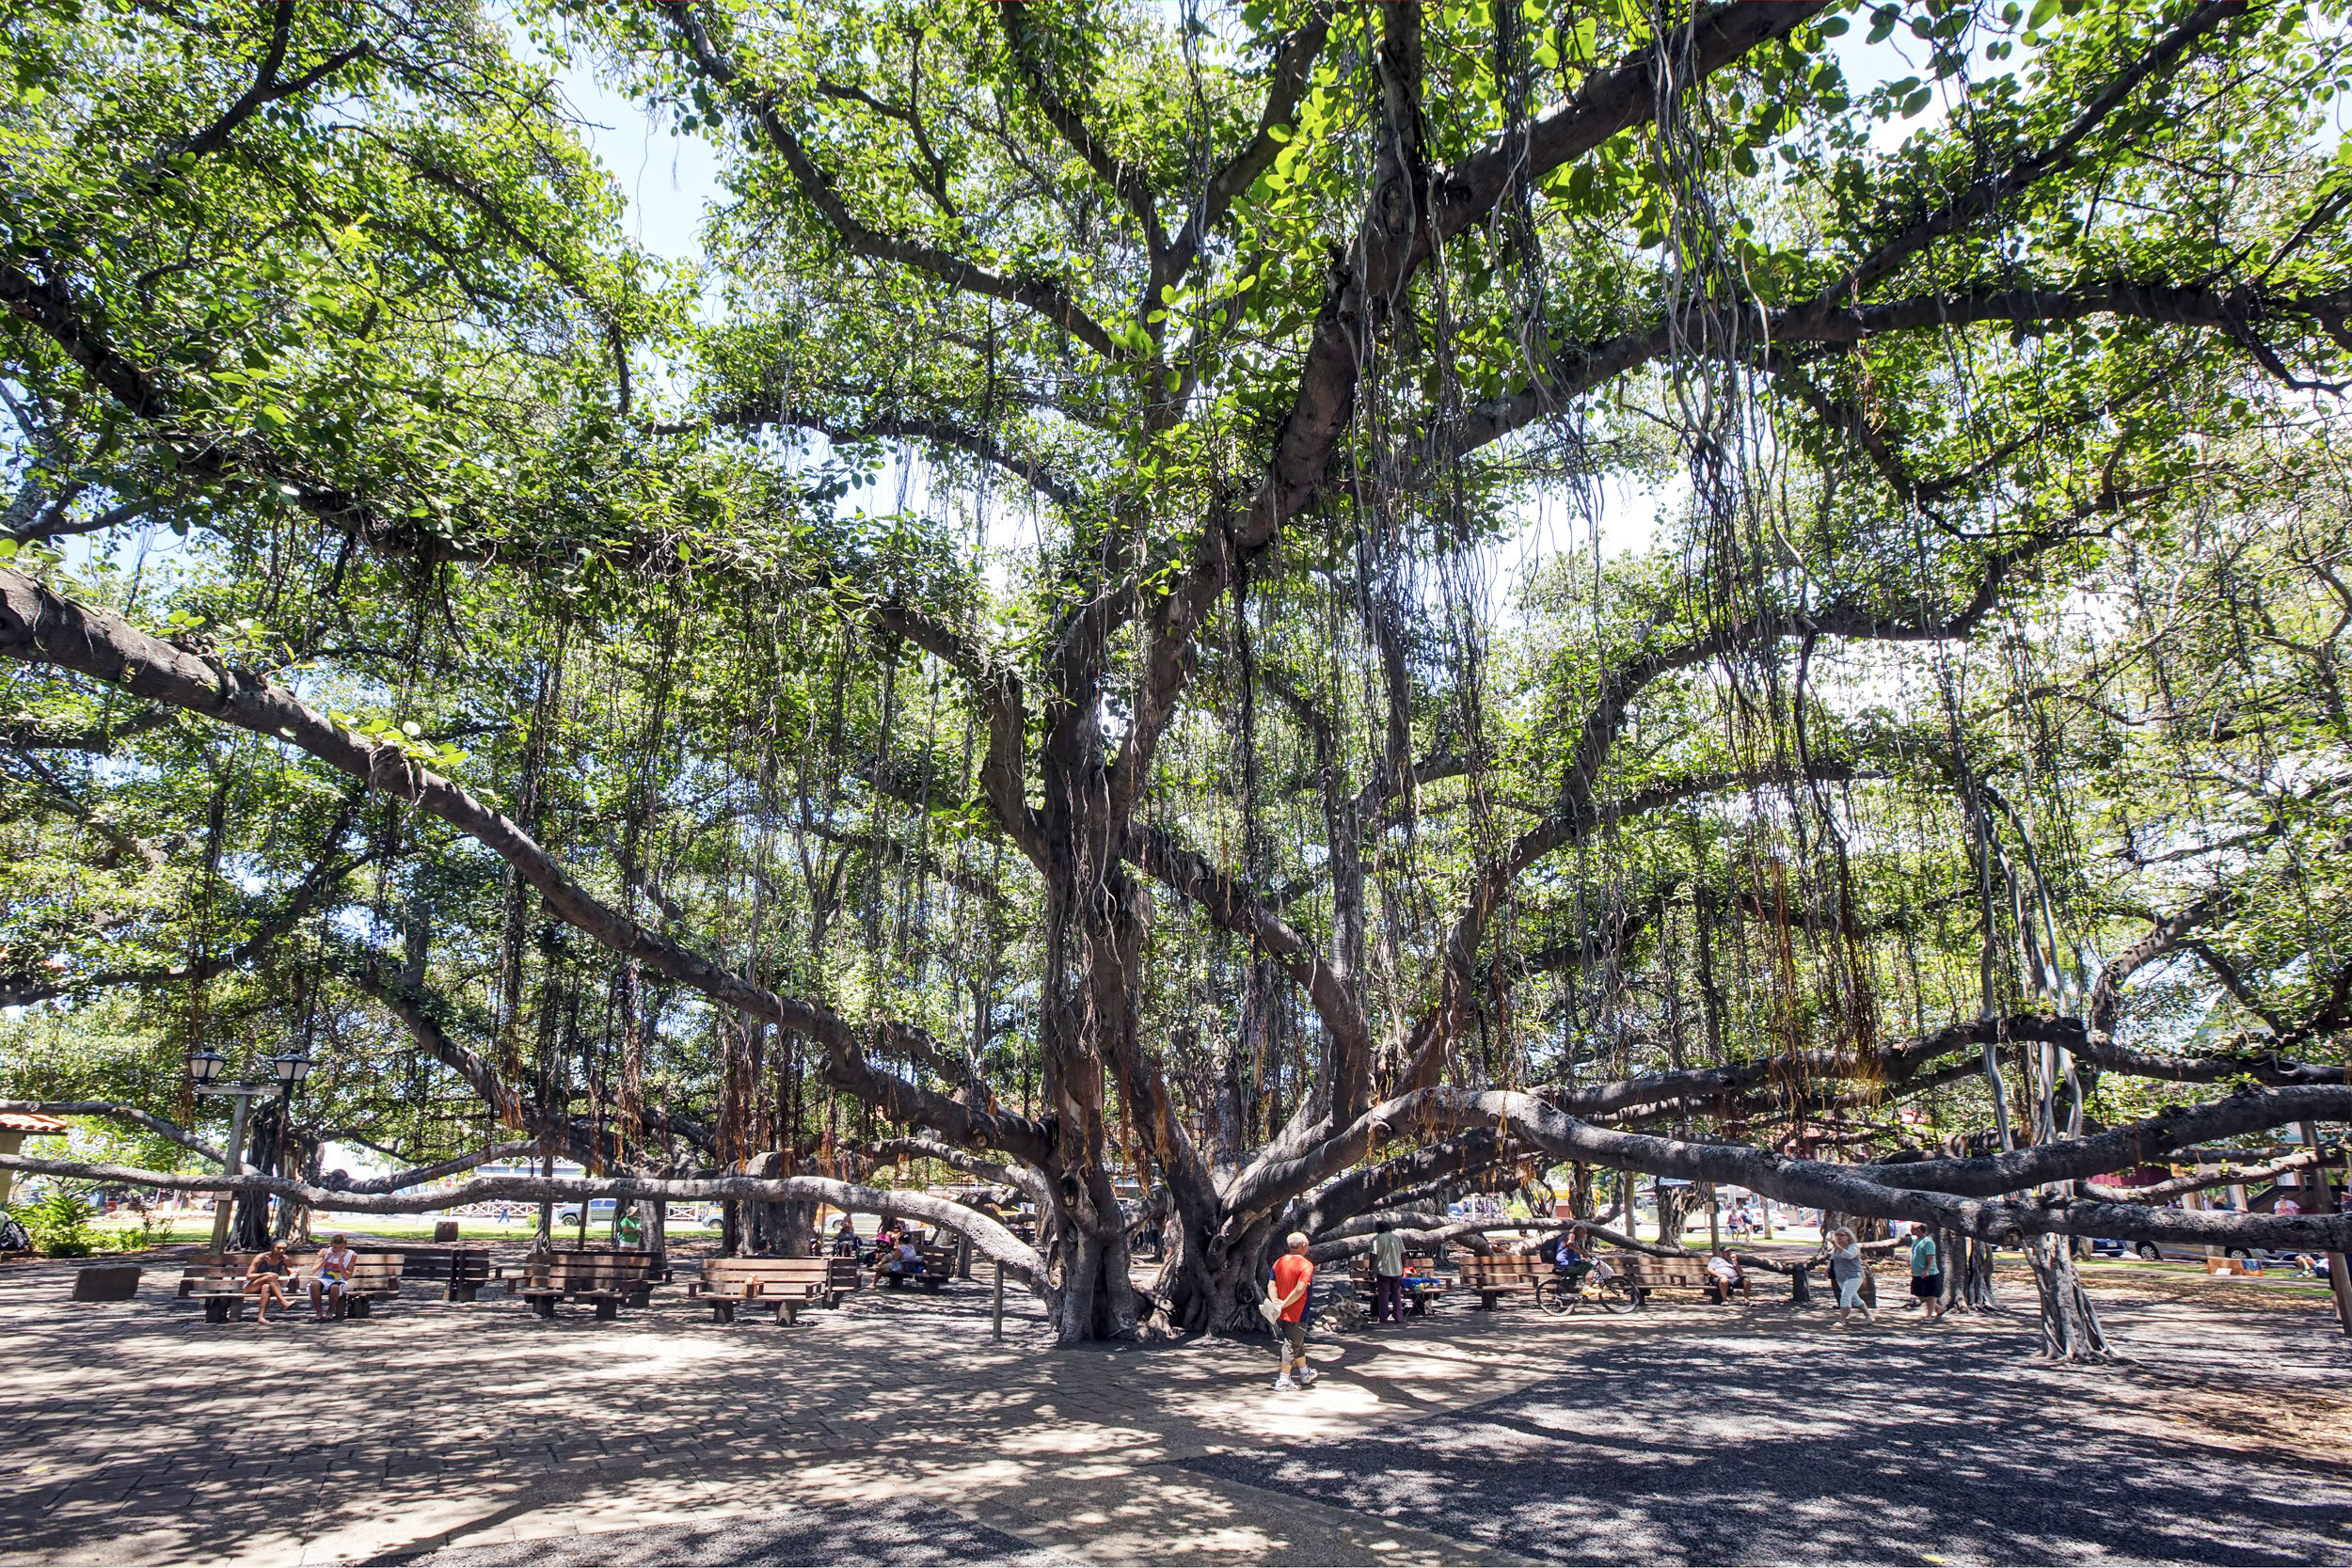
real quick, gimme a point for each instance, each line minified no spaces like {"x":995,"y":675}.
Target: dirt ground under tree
{"x":895,"y":1431}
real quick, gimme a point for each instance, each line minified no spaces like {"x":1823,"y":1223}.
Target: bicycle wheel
{"x":1555,"y":1297}
{"x":1616,"y":1295}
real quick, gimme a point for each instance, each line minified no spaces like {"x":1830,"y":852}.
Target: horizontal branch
{"x":2227,"y":1176}
{"x":114,"y":1111}
{"x":403,"y":1180}
{"x":1030,"y":1183}
{"x":989,"y":1239}
{"x":904,"y":427}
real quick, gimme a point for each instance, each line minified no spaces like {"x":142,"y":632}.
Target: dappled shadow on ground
{"x":143,"y":1424}
{"x":889,"y":1534}
{"x":142,"y":1433}
{"x":1884,"y":1447}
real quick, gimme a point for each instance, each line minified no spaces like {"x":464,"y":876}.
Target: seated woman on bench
{"x":266,"y":1276}
{"x":331,"y":1277}
{"x":907,"y":1263}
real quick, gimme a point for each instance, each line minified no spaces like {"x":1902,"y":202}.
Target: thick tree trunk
{"x":1976,"y":1279}
{"x":2070,"y":1324}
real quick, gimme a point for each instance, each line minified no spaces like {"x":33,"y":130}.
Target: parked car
{"x":600,"y":1210}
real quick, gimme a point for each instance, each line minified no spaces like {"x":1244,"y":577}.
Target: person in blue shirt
{"x":1569,"y":1260}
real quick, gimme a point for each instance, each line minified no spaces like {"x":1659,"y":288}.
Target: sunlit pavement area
{"x":895,"y":1431}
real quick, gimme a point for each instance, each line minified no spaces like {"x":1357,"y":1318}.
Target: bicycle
{"x":1609,"y":1291}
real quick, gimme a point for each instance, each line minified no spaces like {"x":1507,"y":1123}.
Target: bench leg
{"x":788,"y":1312}
{"x":216,"y":1308}
{"x":1486,"y":1300}
{"x":357,"y":1306}
{"x":608,"y":1308}
{"x":721,"y":1312}
{"x":544,"y":1306}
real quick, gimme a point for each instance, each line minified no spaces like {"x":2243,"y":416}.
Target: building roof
{"x":26,"y":1121}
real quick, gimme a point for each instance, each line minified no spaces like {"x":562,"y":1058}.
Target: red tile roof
{"x":26,"y":1121}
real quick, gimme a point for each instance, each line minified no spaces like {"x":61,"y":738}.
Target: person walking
{"x":1846,"y":1270}
{"x":1388,"y":1274}
{"x":1927,"y":1272}
{"x":1292,"y":1274}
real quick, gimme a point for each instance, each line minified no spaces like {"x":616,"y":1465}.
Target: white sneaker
{"x":1307,"y":1377}
{"x":1284,"y":1383}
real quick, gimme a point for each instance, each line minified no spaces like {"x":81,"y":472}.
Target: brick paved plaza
{"x":894,"y":1432}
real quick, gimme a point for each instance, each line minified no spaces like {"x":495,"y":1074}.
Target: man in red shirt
{"x":1292,"y":1274}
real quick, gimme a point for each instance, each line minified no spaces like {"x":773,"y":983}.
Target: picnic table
{"x":1420,"y":1289}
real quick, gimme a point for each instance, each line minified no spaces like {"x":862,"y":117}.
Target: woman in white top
{"x":1845,"y":1272}
{"x":330,"y":1277}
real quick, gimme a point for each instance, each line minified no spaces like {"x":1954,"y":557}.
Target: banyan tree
{"x":1092,"y":640}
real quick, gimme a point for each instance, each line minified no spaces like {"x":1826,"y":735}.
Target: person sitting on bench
{"x":1725,"y":1275}
{"x":332,"y":1276}
{"x":908,"y":1262}
{"x":266,"y":1278}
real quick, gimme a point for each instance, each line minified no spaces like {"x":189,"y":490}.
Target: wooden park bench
{"x":608,"y":1280}
{"x":1644,"y":1273}
{"x":844,"y":1274}
{"x":791,"y":1283}
{"x":217,"y":1280}
{"x":939,"y":1266}
{"x":1498,"y":1273}
{"x":461,"y":1272}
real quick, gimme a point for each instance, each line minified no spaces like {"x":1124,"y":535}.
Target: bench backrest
{"x":1641,"y":1269}
{"x":595,"y":1270}
{"x":1502,"y":1268}
{"x":373,"y":1265}
{"x":769,"y":1272}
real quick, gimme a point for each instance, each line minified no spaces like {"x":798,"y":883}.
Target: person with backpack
{"x":1568,"y":1257}
{"x":1388,"y":1274}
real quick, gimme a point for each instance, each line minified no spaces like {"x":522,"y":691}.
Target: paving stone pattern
{"x":894,"y":1431}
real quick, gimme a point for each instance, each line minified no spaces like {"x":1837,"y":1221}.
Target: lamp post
{"x":205,"y":1067}
{"x":291,"y":1070}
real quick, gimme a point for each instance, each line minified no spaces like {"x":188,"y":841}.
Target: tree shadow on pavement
{"x":1734,"y":1450}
